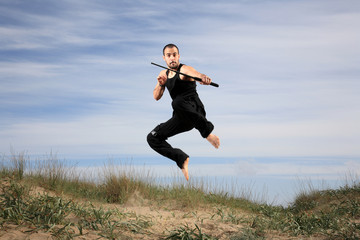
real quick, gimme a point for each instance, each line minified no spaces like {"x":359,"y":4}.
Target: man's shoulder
{"x":185,"y":68}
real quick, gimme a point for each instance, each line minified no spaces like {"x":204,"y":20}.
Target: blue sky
{"x":76,"y":79}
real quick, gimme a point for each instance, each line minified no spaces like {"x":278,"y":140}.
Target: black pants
{"x":188,"y":113}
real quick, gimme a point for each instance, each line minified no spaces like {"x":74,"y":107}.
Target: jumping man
{"x":188,"y":109}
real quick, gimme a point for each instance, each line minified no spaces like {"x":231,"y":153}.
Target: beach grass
{"x":50,"y":195}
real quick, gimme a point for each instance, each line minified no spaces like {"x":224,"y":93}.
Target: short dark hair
{"x":170,"y":45}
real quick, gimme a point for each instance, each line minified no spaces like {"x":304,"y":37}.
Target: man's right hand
{"x":160,"y":86}
{"x":162,"y":79}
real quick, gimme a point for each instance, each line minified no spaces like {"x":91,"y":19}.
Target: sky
{"x":76,"y":80}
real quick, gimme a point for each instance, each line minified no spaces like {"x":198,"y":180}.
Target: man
{"x":188,"y":109}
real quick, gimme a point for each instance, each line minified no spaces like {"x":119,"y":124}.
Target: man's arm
{"x":205,"y":80}
{"x":160,"y":86}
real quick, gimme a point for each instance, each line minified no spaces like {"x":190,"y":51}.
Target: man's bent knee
{"x":154,"y":138}
{"x":151,"y":138}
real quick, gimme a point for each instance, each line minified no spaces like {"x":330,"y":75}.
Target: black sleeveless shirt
{"x":178,"y":87}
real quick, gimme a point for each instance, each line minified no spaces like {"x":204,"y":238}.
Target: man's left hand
{"x":205,"y":80}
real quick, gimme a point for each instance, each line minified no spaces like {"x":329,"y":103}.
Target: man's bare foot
{"x":185,"y":169}
{"x":214,"y":140}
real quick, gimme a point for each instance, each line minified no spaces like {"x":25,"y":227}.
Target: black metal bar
{"x":195,"y":78}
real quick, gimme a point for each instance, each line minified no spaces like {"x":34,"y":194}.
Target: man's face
{"x":171,"y":57}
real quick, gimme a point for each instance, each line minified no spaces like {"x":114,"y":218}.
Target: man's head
{"x":171,"y":55}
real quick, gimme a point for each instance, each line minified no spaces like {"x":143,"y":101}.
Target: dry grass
{"x":125,"y":204}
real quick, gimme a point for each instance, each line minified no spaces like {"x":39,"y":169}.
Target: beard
{"x":173,"y":65}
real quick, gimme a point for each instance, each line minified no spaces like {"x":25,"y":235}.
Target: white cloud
{"x":28,"y":69}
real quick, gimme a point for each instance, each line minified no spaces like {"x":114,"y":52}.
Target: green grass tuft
{"x":187,"y":233}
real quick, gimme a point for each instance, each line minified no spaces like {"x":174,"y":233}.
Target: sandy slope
{"x":159,"y":221}
{"x":162,"y":222}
